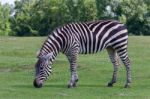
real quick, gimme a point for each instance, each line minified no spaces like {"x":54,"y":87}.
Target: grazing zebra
{"x":84,"y":38}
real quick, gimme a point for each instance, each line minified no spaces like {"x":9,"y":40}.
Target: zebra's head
{"x":42,"y":69}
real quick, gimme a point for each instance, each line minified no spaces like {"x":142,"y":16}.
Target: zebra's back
{"x":96,"y":36}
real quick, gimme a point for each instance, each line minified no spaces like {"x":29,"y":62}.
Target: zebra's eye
{"x":41,"y":67}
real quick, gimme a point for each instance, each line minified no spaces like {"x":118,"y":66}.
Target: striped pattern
{"x":86,"y":38}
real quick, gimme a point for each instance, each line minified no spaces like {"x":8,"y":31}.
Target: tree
{"x":133,"y":13}
{"x":41,"y":17}
{"x":101,"y":6}
{"x":37,"y":17}
{"x":21,"y":22}
{"x":5,"y":18}
{"x":73,"y":8}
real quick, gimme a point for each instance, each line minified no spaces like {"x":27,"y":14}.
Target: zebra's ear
{"x":38,"y":52}
{"x":48,"y":56}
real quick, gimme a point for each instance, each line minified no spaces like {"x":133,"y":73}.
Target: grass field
{"x":18,"y":56}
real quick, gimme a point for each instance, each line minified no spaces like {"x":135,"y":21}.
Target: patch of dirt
{"x":5,"y":70}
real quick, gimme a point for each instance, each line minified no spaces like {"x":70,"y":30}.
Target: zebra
{"x":84,"y":38}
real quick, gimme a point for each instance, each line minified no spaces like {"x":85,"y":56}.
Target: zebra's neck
{"x":51,"y":45}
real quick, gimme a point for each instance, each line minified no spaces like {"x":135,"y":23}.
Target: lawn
{"x":18,"y":56}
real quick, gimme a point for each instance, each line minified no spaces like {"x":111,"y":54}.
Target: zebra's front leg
{"x":72,"y":57}
{"x":115,"y":61}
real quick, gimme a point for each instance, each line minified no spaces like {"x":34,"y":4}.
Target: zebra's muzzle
{"x":37,"y":83}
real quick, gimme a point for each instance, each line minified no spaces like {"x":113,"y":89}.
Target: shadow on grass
{"x":44,"y":86}
{"x":55,"y":86}
{"x":60,"y":86}
{"x":83,"y":86}
{"x":23,"y":86}
{"x":65,"y":86}
{"x":80,"y":85}
{"x":90,"y":85}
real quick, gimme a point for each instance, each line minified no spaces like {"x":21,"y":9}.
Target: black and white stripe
{"x":87,"y":38}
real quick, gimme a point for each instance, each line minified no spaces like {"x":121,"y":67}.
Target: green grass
{"x":18,"y":56}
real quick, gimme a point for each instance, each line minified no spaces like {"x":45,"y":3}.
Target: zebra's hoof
{"x":110,"y":85}
{"x":127,"y":86}
{"x":72,"y":85}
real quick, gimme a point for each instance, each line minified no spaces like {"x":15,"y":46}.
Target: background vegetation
{"x":17,"y":59}
{"x":40,"y":17}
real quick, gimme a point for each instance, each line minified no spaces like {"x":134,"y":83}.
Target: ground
{"x":18,"y":56}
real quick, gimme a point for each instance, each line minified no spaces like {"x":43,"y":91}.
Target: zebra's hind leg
{"x":114,"y":59}
{"x":72,"y":57}
{"x":125,"y":59}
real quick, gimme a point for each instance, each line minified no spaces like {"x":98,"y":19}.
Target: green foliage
{"x":18,"y":56}
{"x":41,"y":17}
{"x":21,"y":22}
{"x":81,"y":10}
{"x":101,"y":8}
{"x":4,"y":19}
{"x":90,"y":10}
{"x":134,"y":13}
